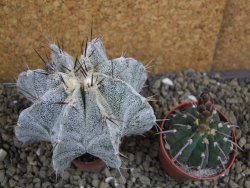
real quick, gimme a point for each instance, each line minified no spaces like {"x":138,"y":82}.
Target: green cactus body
{"x":197,"y":141}
{"x":84,"y":105}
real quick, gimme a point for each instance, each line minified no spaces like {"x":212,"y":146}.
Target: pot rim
{"x":90,"y":166}
{"x":87,"y":162}
{"x":177,"y":168}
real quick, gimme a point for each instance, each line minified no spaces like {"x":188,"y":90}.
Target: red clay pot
{"x":93,"y":166}
{"x":175,"y":171}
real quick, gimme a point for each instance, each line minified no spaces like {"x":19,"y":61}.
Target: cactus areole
{"x":198,"y":139}
{"x":84,"y":104}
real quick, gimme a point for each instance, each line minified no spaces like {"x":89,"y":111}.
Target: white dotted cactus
{"x":84,"y":105}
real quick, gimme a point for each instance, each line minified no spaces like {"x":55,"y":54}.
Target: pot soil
{"x":174,"y":170}
{"x":89,"y":163}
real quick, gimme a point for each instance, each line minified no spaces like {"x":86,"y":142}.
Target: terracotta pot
{"x":174,"y":170}
{"x":93,"y":166}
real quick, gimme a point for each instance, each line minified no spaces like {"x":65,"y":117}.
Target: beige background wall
{"x":233,"y":48}
{"x":176,"y":34}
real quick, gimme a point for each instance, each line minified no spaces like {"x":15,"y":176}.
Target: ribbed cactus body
{"x":84,"y":105}
{"x":198,"y":142}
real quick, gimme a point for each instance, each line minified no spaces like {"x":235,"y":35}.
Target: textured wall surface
{"x":233,"y":48}
{"x":175,"y":34}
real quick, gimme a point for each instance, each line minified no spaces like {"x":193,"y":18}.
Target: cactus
{"x":84,"y":105}
{"x":197,"y":138}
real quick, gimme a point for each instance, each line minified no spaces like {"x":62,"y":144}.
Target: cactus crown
{"x":197,"y":138}
{"x":84,"y":105}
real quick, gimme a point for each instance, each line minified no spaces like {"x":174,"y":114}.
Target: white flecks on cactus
{"x":220,"y":125}
{"x":84,"y":105}
{"x":95,"y":52}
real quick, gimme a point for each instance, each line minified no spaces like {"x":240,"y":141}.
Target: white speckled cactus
{"x":84,"y":105}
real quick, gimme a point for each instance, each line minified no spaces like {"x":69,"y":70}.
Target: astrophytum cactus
{"x":196,"y":137}
{"x":84,"y":105}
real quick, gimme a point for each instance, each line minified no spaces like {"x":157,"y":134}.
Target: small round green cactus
{"x":196,"y":136}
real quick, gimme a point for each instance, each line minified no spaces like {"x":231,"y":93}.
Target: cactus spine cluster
{"x":197,"y":138}
{"x":84,"y":105}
